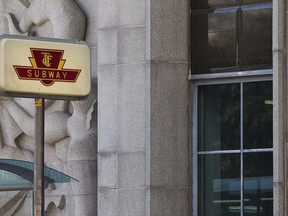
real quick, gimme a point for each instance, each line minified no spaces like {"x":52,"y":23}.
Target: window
{"x":231,"y":61}
{"x":234,"y":151}
{"x":230,"y":35}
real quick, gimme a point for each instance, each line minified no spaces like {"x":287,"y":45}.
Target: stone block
{"x":169,"y":202}
{"x":107,"y":46}
{"x":108,"y":11}
{"x":131,"y":45}
{"x":107,"y":109}
{"x":131,"y":202}
{"x":169,"y":125}
{"x":170,"y":35}
{"x":107,"y":170}
{"x":133,"y":94}
{"x":131,"y":170}
{"x":107,"y":203}
{"x":115,"y":13}
{"x":131,"y":12}
{"x":122,"y":110}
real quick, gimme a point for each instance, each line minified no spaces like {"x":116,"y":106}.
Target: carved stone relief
{"x":70,"y":127}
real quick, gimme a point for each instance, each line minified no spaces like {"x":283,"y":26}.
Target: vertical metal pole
{"x":39,"y":158}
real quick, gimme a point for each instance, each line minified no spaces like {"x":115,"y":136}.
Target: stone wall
{"x":123,"y":108}
{"x":140,"y":60}
{"x":143,"y":110}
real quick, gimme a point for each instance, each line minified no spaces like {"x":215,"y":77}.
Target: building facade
{"x":191,"y":108}
{"x":222,"y":150}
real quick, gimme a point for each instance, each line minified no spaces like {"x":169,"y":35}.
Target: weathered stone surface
{"x":143,"y":107}
{"x":70,"y":127}
{"x":139,"y":53}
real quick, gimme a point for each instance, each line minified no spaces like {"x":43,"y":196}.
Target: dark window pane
{"x":204,"y":4}
{"x":256,"y":36}
{"x":255,"y":1}
{"x":200,"y":41}
{"x":222,"y":38}
{"x":230,"y":36}
{"x":214,"y":39}
{"x":199,"y":4}
{"x":219,"y":185}
{"x":258,"y":184}
{"x":222,"y":2}
{"x":219,"y":117}
{"x":257,"y":115}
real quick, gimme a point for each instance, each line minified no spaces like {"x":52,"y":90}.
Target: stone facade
{"x":140,"y":61}
{"x":143,"y":110}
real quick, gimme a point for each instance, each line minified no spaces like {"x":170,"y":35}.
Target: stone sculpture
{"x":70,"y":134}
{"x":65,"y":17}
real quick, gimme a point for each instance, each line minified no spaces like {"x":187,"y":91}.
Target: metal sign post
{"x":39,"y":158}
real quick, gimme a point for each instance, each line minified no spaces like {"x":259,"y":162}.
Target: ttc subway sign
{"x":42,"y":67}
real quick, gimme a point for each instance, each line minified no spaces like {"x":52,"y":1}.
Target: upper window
{"x":228,"y":35}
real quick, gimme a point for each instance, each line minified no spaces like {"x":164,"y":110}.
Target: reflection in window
{"x":258,"y":183}
{"x":219,"y":117}
{"x":219,"y":184}
{"x":257,"y":115}
{"x":256,"y":36}
{"x":235,"y":151}
{"x":231,"y":38}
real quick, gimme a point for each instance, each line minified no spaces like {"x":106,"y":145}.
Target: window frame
{"x":210,"y":79}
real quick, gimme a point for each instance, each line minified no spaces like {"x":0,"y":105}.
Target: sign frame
{"x":52,"y":42}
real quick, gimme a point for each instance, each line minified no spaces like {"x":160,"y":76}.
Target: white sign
{"x":44,"y":67}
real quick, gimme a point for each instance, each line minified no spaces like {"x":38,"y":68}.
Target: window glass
{"x":254,"y":1}
{"x":200,"y":41}
{"x":222,"y":38}
{"x":258,"y":182}
{"x":222,"y":2}
{"x":204,"y":4}
{"x":219,"y":184}
{"x":235,"y":151}
{"x":231,"y":36}
{"x":214,"y":42}
{"x":219,"y":117}
{"x":256,"y":36}
{"x":257,"y":115}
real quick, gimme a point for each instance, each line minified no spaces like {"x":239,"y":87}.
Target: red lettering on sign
{"x":47,"y":67}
